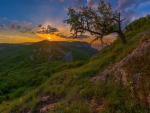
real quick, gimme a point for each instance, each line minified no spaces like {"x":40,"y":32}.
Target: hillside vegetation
{"x":72,"y":90}
{"x":25,"y":67}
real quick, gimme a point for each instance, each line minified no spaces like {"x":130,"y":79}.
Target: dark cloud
{"x":27,"y":30}
{"x":39,"y":26}
{"x":47,"y":30}
{"x":79,"y":36}
{"x":61,"y":35}
{"x":124,"y":4}
{"x":54,"y":30}
{"x":129,"y":4}
{"x":19,"y":27}
{"x":4,"y":27}
{"x":82,"y":36}
{"x":128,"y":8}
{"x":13,"y":27}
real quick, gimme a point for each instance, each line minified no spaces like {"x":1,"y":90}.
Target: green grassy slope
{"x":19,"y":74}
{"x":71,"y":91}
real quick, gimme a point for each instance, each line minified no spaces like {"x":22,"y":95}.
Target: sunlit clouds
{"x":34,"y":20}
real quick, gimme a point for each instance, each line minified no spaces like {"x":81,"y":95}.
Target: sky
{"x":20,"y":19}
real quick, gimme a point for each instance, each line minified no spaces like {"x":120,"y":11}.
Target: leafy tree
{"x":98,"y":22}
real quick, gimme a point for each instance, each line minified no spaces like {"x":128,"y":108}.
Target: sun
{"x":49,"y":38}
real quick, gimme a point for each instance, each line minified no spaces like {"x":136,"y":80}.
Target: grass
{"x":19,"y":74}
{"x":70,"y":89}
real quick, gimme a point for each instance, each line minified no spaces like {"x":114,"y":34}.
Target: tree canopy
{"x":99,"y":22}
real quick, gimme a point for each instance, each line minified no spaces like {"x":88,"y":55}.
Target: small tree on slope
{"x":99,"y":22}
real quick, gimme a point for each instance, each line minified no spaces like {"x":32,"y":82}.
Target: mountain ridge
{"x":71,"y":90}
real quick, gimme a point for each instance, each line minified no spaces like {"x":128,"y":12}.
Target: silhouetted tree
{"x":99,"y":22}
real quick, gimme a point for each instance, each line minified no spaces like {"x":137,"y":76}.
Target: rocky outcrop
{"x":68,"y":57}
{"x":61,"y":51}
{"x":118,"y":71}
{"x":50,"y":56}
{"x":47,"y":50}
{"x":31,"y":57}
{"x":34,"y":50}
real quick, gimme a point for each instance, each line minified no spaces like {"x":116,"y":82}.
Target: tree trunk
{"x":123,"y":38}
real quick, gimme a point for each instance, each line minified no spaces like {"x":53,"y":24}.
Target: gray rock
{"x":31,"y":57}
{"x":47,"y":50}
{"x":99,"y":78}
{"x":43,"y":99}
{"x":50,"y":56}
{"x":68,"y":57}
{"x":34,"y":50}
{"x":61,"y":51}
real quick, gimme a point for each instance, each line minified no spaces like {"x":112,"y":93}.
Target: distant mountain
{"x":115,"y":80}
{"x":43,"y":50}
{"x":23,"y":67}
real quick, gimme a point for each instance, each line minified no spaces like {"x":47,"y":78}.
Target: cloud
{"x":24,"y":27}
{"x":47,"y":30}
{"x":13,"y":27}
{"x":19,"y":27}
{"x":62,"y":0}
{"x":27,"y":30}
{"x":3,"y":18}
{"x":76,"y":7}
{"x":92,"y":4}
{"x":54,"y":30}
{"x":82,"y":36}
{"x":128,"y":8}
{"x":61,"y":35}
{"x":127,"y":4}
{"x":65,"y":36}
{"x":25,"y":23}
{"x":4,"y":27}
{"x":12,"y":21}
{"x":77,"y":4}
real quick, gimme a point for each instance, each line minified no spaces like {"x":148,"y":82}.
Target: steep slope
{"x":118,"y":70}
{"x":72,"y":91}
